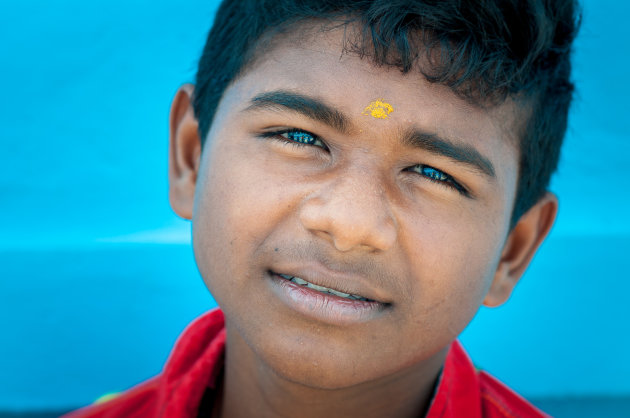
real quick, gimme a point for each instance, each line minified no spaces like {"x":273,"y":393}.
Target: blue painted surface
{"x":96,"y":274}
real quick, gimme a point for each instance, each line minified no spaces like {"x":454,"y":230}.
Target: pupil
{"x":300,"y":137}
{"x":434,"y":174}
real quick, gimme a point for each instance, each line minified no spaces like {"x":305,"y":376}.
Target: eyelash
{"x":301,"y":142}
{"x":432,"y":174}
{"x":443,"y":178}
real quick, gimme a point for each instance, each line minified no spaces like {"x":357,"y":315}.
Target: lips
{"x":328,"y":304}
{"x":326,"y":290}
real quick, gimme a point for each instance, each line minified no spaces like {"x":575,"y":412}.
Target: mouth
{"x":325,"y":304}
{"x":326,"y":290}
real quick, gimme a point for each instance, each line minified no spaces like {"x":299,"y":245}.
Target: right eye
{"x":297,"y":137}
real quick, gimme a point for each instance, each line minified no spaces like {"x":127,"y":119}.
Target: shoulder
{"x":138,"y":401}
{"x":465,"y":391}
{"x":497,"y":400}
{"x":194,"y":363}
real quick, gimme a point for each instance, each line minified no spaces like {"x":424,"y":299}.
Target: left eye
{"x":438,"y":176}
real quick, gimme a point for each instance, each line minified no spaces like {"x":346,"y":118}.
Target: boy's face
{"x":408,"y":206}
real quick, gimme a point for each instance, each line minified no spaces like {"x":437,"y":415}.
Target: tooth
{"x":303,"y":282}
{"x":316,"y":287}
{"x":299,"y":281}
{"x":343,"y":295}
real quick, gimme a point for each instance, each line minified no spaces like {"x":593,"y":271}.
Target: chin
{"x":316,"y":359}
{"x":319,"y":372}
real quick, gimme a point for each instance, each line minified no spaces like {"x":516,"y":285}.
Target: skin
{"x":431,"y":254}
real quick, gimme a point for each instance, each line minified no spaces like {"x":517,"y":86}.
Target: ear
{"x":520,"y":247}
{"x":184,"y":152}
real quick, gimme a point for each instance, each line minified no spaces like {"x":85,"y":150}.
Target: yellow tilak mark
{"x":378,"y":109}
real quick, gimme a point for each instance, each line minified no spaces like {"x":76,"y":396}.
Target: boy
{"x":361,"y":176}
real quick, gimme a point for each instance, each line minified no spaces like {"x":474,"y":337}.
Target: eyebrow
{"x":320,"y":111}
{"x":308,"y":106}
{"x":464,"y":154}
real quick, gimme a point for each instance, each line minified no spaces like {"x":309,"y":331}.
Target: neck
{"x":251,"y":388}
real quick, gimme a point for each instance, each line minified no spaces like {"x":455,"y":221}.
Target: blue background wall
{"x":97,"y":278}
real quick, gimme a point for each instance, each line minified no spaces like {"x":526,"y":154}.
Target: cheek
{"x":237,"y":206}
{"x":453,"y":262}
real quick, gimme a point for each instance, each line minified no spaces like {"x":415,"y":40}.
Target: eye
{"x":296,"y":137}
{"x":439,"y":177}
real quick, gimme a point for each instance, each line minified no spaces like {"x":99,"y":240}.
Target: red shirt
{"x":197,"y":360}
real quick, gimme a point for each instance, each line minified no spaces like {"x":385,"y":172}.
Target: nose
{"x":352,"y":212}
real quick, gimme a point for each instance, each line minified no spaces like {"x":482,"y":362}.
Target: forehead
{"x":310,"y":53}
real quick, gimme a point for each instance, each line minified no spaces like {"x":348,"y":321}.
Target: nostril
{"x":348,"y":225}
